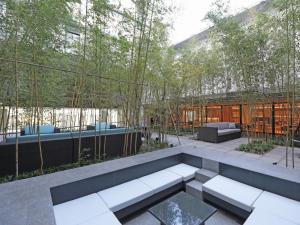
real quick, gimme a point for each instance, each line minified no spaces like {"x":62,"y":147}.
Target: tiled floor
{"x":276,"y":157}
{"x":219,"y":218}
{"x":223,"y":218}
{"x":143,"y":219}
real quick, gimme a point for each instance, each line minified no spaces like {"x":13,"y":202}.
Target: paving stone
{"x":223,"y":218}
{"x":143,"y":219}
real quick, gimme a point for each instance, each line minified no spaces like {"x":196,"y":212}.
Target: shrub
{"x":35,"y":173}
{"x":280,"y":140}
{"x":153,"y":145}
{"x":257,"y":147}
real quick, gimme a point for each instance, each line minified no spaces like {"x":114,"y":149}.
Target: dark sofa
{"x":219,"y":132}
{"x":297,"y":141}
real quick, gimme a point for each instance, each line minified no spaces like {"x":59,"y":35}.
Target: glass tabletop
{"x":182,"y":209}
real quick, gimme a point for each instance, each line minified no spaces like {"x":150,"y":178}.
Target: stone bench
{"x":262,"y":207}
{"x":96,"y":208}
{"x":280,"y":206}
{"x":239,"y":195}
{"x":83,"y":211}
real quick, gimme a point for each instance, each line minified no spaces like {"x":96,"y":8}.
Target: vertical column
{"x":206,"y":114}
{"x":222,"y":118}
{"x":241,"y":116}
{"x":273,"y":119}
{"x":201,"y":114}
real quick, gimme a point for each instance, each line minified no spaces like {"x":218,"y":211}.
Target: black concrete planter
{"x":65,"y":151}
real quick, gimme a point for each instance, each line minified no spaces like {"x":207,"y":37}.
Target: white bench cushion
{"x":79,"y":210}
{"x":233,"y":192}
{"x":106,"y":218}
{"x":161,"y":180}
{"x":186,"y":171}
{"x":279,"y":205}
{"x":263,"y":217}
{"x":228,"y":131}
{"x":123,"y":195}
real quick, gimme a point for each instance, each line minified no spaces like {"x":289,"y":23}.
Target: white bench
{"x":186,"y":171}
{"x":278,"y":205}
{"x":96,"y":208}
{"x":124,"y":195}
{"x":103,"y":219}
{"x":266,"y":207}
{"x":264,"y":217}
{"x":238,"y":194}
{"x":161,"y":180}
{"x":82,"y":210}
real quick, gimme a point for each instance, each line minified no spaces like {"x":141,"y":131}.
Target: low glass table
{"x":182,"y":209}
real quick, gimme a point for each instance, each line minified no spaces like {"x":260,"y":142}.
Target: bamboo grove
{"x":123,"y":60}
{"x":253,"y":57}
{"x":107,"y":67}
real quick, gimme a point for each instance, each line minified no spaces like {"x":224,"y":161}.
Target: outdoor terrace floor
{"x":277,"y":155}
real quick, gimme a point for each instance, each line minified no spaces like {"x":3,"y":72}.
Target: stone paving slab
{"x":277,"y":155}
{"x":144,"y":218}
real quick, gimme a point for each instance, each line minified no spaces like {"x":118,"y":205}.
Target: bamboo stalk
{"x":294,"y":82}
{"x":287,"y":85}
{"x":82,"y":78}
{"x":17,"y":97}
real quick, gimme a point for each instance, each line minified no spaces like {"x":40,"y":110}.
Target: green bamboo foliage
{"x":123,"y":60}
{"x":107,"y":68}
{"x":259,"y":57}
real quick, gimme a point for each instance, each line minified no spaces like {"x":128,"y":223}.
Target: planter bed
{"x":64,"y":150}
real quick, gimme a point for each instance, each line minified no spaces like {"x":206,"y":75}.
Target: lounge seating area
{"x":256,"y":206}
{"x":218,"y":132}
{"x":49,"y":132}
{"x":116,"y":198}
{"x":119,"y":112}
{"x":43,"y":129}
{"x":124,"y":191}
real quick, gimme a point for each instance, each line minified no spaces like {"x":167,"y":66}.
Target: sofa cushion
{"x":220,"y":125}
{"x":79,"y":210}
{"x":279,"y":205}
{"x":102,"y":126}
{"x":215,"y":125}
{"x":187,"y":172}
{"x":231,"y":126}
{"x":228,"y":131}
{"x":233,"y":192}
{"x":123,"y":195}
{"x":161,"y":180}
{"x":103,"y":219}
{"x":223,"y":125}
{"x":264,"y":217}
{"x":44,"y":129}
